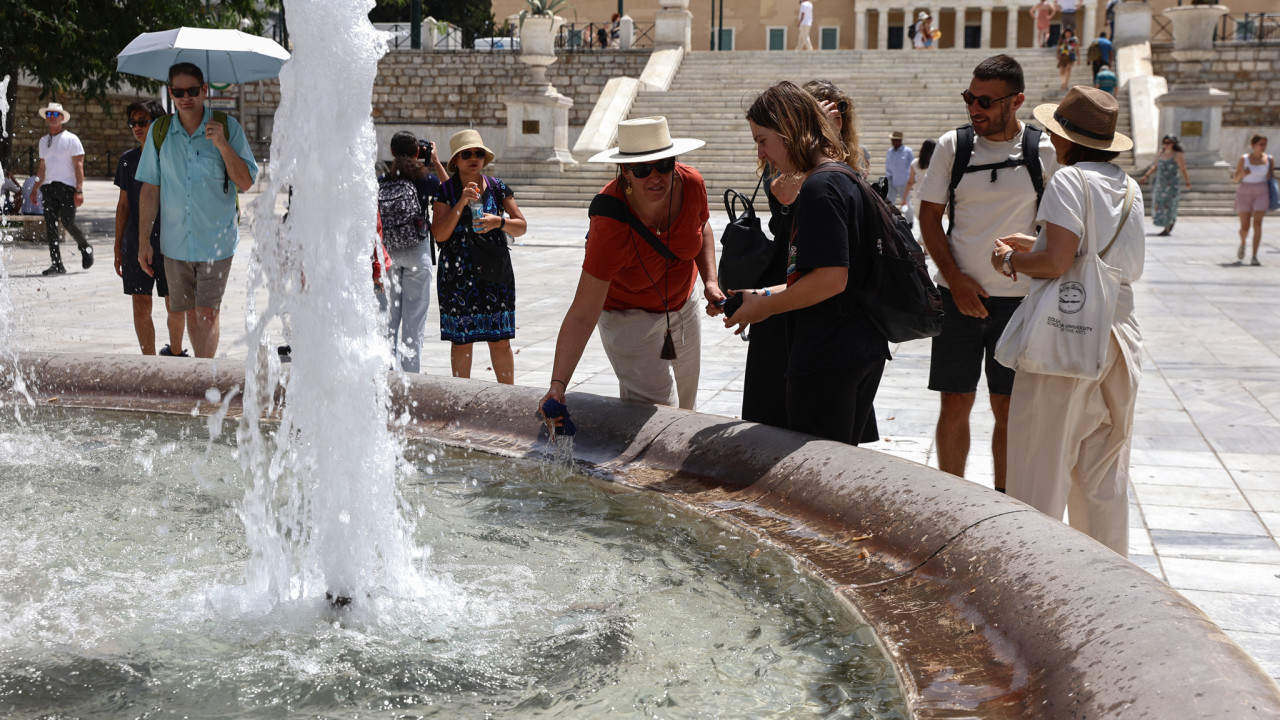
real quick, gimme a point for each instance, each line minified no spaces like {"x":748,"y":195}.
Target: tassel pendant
{"x":668,"y":348}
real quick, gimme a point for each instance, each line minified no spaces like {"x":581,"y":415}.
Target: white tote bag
{"x":1063,"y":327}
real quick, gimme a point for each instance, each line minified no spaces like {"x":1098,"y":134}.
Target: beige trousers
{"x":1069,"y":445}
{"x":803,"y":42}
{"x":633,"y":341}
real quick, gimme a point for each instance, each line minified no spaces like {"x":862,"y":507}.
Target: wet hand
{"x":144,"y":258}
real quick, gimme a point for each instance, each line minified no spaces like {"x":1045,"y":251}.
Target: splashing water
{"x":322,"y":512}
{"x":10,"y":373}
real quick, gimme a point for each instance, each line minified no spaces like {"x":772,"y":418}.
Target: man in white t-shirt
{"x":994,"y":198}
{"x":805,"y":25}
{"x":1068,"y":8}
{"x":60,"y":185}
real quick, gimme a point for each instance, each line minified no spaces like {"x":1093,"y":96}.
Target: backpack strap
{"x":611,"y":207}
{"x":964,"y":151}
{"x":1031,"y":156}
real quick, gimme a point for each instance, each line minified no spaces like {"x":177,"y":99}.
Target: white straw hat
{"x":922,"y":16}
{"x":645,"y":140}
{"x":56,"y":107}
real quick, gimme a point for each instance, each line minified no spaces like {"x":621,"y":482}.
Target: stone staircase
{"x":915,"y":92}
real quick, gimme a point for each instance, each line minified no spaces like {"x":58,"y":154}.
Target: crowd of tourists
{"x":1039,"y":225}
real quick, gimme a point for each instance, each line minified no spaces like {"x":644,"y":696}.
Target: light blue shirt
{"x":897,"y":164}
{"x":197,"y":218}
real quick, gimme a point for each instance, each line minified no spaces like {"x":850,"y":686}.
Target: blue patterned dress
{"x":1166,"y":193}
{"x":471,"y":309}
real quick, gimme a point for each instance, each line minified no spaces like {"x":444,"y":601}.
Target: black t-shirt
{"x":132,"y":187}
{"x":835,"y":333}
{"x":780,"y":228}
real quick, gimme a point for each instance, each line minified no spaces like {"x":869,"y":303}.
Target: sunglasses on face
{"x":641,"y":171}
{"x":53,"y":114}
{"x":180,"y":93}
{"x":139,"y":123}
{"x":983,"y":101}
{"x":465,"y":155}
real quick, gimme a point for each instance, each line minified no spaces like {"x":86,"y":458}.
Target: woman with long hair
{"x":1069,"y":438}
{"x":1254,"y":170}
{"x":477,"y":285}
{"x":1068,"y":56}
{"x":835,"y":355}
{"x":1169,"y":162}
{"x":646,"y":248}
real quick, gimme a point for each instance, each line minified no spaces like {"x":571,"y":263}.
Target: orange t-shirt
{"x":617,"y":254}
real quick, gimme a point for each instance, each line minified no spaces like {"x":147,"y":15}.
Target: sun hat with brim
{"x":922,"y":16}
{"x":645,"y":140}
{"x":896,"y":135}
{"x":466,"y":140}
{"x":1086,"y":116}
{"x":56,"y":107}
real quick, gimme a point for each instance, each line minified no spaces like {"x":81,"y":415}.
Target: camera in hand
{"x":424,"y":149}
{"x":731,"y":305}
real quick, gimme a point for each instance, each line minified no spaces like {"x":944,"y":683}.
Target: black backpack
{"x":404,"y":222}
{"x":897,"y":295}
{"x":964,"y":150}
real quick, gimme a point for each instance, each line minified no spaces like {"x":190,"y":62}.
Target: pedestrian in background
{"x":1254,"y":170}
{"x":137,"y":283}
{"x":1068,"y":56}
{"x":60,"y":186}
{"x":804,"y":26}
{"x":1043,"y":12}
{"x":897,"y":167}
{"x":1166,"y":195}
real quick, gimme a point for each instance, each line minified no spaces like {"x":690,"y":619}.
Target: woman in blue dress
{"x":1168,"y":164}
{"x":477,"y":286}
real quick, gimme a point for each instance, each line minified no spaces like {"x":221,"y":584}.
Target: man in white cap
{"x":805,"y":25}
{"x":897,"y":166}
{"x":60,"y":186}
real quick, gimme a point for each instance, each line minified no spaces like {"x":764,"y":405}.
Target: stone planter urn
{"x":1133,"y":23}
{"x":538,"y":44}
{"x":1193,"y":31}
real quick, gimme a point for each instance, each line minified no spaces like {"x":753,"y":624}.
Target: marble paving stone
{"x":1263,"y":500}
{"x":1175,"y":458}
{"x":1216,"y":576}
{"x":1272,"y":522}
{"x":1231,"y":522}
{"x":1260,"y":549}
{"x":1148,"y":563}
{"x":1190,"y":497}
{"x":1264,"y":648}
{"x":1251,"y":461}
{"x":1257,"y":479}
{"x":1238,"y":611}
{"x":1140,"y":543}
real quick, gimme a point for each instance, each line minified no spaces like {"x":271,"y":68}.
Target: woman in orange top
{"x":642,"y":301}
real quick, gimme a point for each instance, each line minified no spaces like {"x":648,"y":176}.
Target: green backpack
{"x":162,"y":131}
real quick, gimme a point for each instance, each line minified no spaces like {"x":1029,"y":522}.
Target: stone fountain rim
{"x":1109,"y":640}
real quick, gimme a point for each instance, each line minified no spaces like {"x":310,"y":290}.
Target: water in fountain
{"x":10,"y":374}
{"x":322,"y":513}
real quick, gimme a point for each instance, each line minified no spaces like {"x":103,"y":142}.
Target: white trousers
{"x":633,"y":342}
{"x":1069,"y":443}
{"x":804,"y":43}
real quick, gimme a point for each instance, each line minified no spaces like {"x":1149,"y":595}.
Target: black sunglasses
{"x":468,"y":154}
{"x":186,"y":92}
{"x":641,"y":171}
{"x":139,"y":123}
{"x":983,"y":101}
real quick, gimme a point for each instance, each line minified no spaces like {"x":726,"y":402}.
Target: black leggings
{"x":60,"y":207}
{"x":836,"y":405}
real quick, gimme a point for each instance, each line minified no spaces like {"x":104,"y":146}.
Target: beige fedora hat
{"x":896,"y":135}
{"x":465,"y":140}
{"x":1086,"y":116}
{"x":645,"y":140}
{"x":56,"y":107}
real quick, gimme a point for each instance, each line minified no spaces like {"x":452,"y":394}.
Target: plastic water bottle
{"x":477,"y":212}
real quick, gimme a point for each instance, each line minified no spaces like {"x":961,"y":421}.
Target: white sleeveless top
{"x":1256,"y":173}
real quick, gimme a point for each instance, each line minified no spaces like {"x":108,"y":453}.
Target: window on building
{"x":726,"y":38}
{"x":895,"y":37}
{"x":973,"y":36}
{"x":829,"y":38}
{"x":777,"y":38}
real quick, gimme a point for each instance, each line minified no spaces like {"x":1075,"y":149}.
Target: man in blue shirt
{"x":189,"y":178}
{"x":897,"y":167}
{"x":1103,"y":56}
{"x":1105,"y":79}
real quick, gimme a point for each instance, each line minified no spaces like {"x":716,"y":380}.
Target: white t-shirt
{"x":987,"y":210}
{"x":1067,"y":6}
{"x":57,"y":152}
{"x":806,"y":13}
{"x":1063,"y":205}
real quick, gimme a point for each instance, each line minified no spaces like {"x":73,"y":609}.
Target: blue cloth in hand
{"x":553,"y":409}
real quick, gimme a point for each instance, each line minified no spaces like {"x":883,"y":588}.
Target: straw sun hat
{"x":645,"y":140}
{"x":465,"y":140}
{"x":56,"y":107}
{"x":1086,"y":116}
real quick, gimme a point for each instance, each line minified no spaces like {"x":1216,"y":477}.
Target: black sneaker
{"x":166,"y":352}
{"x":285,"y":352}
{"x":55,"y":269}
{"x":86,"y":257}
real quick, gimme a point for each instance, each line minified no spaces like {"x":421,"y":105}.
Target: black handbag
{"x":745,"y":250}
{"x":490,"y":256}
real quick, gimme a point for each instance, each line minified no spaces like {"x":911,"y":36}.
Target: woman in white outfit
{"x":1069,"y":438}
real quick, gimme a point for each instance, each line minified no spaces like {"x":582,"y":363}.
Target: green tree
{"x":474,"y":17}
{"x":71,"y":45}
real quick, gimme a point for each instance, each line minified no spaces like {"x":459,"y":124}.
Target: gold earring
{"x":628,"y":189}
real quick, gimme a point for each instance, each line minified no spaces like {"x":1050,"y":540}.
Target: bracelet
{"x":1008,"y":261}
{"x":565,"y":384}
{"x":502,"y":224}
{"x":79,"y":192}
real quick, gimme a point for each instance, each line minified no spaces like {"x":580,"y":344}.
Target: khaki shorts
{"x":196,"y":284}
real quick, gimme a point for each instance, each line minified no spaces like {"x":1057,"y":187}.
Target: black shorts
{"x":959,"y":352}
{"x":138,"y":282}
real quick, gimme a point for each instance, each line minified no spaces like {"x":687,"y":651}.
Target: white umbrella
{"x":225,"y":56}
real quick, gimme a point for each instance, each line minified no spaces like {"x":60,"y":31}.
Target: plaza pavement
{"x":1205,"y":492}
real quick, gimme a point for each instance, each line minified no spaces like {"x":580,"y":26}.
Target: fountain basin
{"x":987,"y":608}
